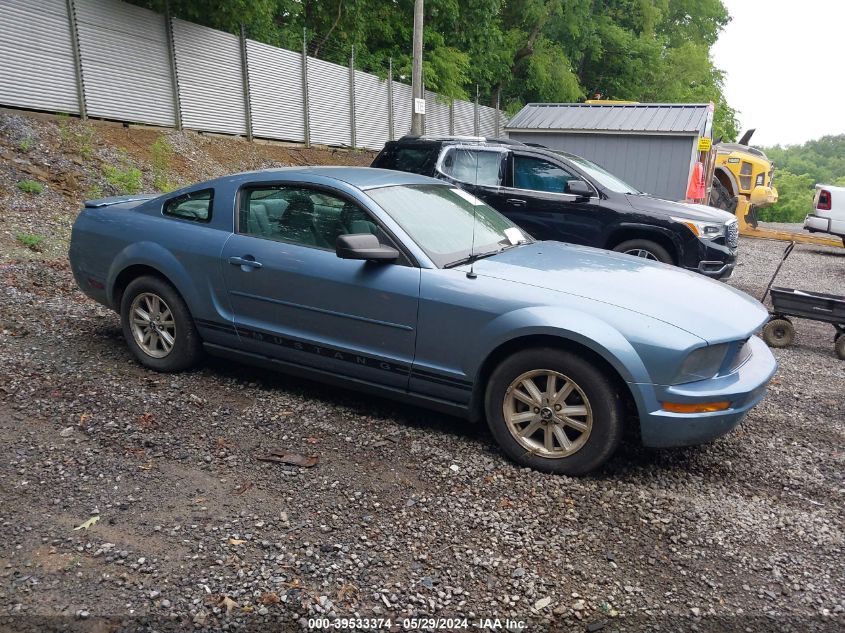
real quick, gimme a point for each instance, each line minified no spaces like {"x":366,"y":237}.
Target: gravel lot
{"x":408,"y":513}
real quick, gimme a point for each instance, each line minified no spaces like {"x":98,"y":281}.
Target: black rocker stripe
{"x":320,"y":350}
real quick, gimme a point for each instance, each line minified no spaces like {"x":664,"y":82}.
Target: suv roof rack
{"x":461,"y":139}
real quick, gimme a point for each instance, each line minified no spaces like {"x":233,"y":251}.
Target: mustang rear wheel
{"x":553,"y":411}
{"x":645,"y":249}
{"x":158,"y":326}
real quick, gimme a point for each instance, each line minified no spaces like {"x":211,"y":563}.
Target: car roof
{"x":360,"y":177}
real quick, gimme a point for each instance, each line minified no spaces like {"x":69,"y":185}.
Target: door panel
{"x":299,"y":302}
{"x":535,"y":198}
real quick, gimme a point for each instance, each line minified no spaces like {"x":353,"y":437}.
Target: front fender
{"x":577,"y":326}
{"x":154,"y":256}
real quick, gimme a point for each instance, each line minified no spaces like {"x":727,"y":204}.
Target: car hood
{"x":708,"y":309}
{"x":700,"y":212}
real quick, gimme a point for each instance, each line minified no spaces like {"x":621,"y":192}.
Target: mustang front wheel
{"x":551,"y":410}
{"x":158,"y":326}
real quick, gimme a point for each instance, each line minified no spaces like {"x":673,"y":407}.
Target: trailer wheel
{"x":779,"y":333}
{"x":839,"y":346}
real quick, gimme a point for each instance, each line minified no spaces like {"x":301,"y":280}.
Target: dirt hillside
{"x":50,"y":165}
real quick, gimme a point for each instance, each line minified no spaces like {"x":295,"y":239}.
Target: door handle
{"x":246,"y":260}
{"x":517,"y":202}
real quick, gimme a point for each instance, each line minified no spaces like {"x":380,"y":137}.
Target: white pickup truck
{"x":828,"y":212}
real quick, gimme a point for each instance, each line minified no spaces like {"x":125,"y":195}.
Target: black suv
{"x":559,"y":196}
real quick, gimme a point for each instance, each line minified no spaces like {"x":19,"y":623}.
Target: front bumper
{"x":710,"y":258}
{"x":744,"y":388}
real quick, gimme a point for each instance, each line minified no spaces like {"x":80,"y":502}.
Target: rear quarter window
{"x":416,"y":159}
{"x":195,"y":206}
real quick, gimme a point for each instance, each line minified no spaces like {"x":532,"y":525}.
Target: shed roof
{"x":634,"y":118}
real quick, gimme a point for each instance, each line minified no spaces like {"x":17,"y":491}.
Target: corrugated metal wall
{"x":486,"y":121}
{"x":371,"y":120}
{"x":401,"y":109}
{"x":659,"y":165}
{"x":328,"y":94}
{"x":464,"y":114}
{"x":275,"y":92}
{"x":436,"y":115}
{"x":208,"y":65}
{"x":125,"y":63}
{"x":37,"y":69}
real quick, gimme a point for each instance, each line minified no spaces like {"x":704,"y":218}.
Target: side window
{"x":194,"y":206}
{"x":301,"y":216}
{"x":537,"y":174}
{"x":473,"y":166}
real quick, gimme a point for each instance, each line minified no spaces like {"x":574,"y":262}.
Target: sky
{"x":785,"y":66}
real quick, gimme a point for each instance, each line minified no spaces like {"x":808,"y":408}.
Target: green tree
{"x":521,"y":50}
{"x":795,"y":198}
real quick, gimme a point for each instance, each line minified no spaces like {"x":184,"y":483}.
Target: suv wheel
{"x":158,"y":326}
{"x":645,"y":249}
{"x":553,"y":411}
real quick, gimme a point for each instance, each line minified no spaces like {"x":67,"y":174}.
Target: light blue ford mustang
{"x":405,"y":286}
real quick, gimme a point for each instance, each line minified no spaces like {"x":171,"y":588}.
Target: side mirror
{"x":579,"y":188}
{"x":364,"y":246}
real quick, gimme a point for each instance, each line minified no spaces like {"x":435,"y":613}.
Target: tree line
{"x":797,"y":170}
{"x":514,"y":51}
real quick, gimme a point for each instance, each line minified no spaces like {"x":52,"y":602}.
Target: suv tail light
{"x":824,"y":200}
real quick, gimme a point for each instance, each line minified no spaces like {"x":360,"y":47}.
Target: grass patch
{"x":162,"y":152}
{"x":94,"y":192}
{"x":32,"y":241}
{"x":26,"y":145}
{"x":76,"y":136}
{"x":31,"y":186}
{"x":125,"y":181}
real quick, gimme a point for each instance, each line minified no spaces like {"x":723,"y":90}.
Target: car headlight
{"x":760,"y":178}
{"x":705,"y":230}
{"x":702,"y":363}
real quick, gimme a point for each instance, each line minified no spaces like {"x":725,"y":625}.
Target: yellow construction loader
{"x":742,"y":183}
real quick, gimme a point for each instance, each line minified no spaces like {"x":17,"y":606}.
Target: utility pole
{"x":418,"y":98}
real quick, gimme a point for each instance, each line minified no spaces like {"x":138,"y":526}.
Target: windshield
{"x":440,"y":219}
{"x":601,"y":175}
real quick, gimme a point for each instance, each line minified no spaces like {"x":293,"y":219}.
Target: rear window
{"x":415,"y":159}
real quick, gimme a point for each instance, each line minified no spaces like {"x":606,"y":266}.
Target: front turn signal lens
{"x":695,"y":407}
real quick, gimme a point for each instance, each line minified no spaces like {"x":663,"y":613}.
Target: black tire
{"x":601,"y":399}
{"x":186,"y":349}
{"x":654,"y":250}
{"x":721,"y":198}
{"x":778,"y":333}
{"x":839,"y":346}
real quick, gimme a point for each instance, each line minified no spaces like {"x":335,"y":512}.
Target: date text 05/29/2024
{"x":416,"y":624}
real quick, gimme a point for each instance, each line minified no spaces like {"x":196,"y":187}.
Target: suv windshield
{"x":600,"y":174}
{"x":445,"y":221}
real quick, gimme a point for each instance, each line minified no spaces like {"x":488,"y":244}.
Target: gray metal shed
{"x":652,"y":146}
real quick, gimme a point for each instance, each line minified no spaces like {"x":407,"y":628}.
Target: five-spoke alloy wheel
{"x":554,"y":410}
{"x":158,"y":326}
{"x":153,"y":325}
